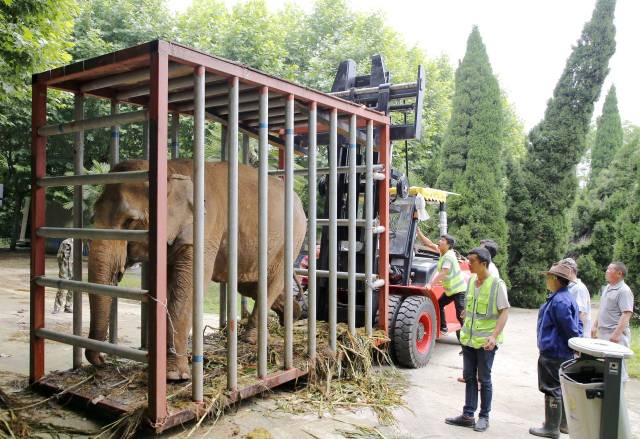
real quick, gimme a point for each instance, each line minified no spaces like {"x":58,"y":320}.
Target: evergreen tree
{"x":547,"y":186}
{"x":608,"y":135}
{"x":473,"y":152}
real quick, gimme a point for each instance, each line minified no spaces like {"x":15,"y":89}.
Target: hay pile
{"x":346,"y":379}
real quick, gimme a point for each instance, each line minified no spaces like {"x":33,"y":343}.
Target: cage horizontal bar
{"x":174,"y":84}
{"x":340,"y":222}
{"x":94,"y":345}
{"x":110,"y":178}
{"x":89,"y":287}
{"x":365,"y":90}
{"x":71,"y":232}
{"x":94,"y":123}
{"x":324,"y":171}
{"x":339,"y":274}
{"x":127,"y":78}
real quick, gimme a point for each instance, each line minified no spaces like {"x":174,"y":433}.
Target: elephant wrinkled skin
{"x":126,"y":206}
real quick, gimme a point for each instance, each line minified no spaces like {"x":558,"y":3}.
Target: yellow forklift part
{"x":430,"y":195}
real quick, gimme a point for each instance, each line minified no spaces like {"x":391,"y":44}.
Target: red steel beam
{"x":157,"y":408}
{"x":383,"y":202}
{"x":38,"y":206}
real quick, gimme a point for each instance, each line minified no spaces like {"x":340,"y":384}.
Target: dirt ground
{"x":433,"y":393}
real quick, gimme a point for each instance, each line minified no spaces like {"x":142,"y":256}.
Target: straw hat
{"x":560,"y":270}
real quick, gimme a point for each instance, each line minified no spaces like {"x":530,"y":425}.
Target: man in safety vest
{"x":450,"y":275}
{"x":486,"y":314}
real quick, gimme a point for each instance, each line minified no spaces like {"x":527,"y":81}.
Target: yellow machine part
{"x":430,"y":195}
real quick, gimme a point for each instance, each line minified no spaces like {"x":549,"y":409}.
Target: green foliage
{"x":474,"y":153}
{"x":546,"y":187}
{"x":609,"y":135}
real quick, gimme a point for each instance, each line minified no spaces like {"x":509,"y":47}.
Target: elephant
{"x":126,"y":206}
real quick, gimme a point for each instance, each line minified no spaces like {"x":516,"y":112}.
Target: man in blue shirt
{"x":558,"y":321}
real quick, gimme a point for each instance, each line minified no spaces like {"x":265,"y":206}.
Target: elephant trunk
{"x":106,"y":266}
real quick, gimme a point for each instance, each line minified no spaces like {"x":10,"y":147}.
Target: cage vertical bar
{"x":288,"y":234}
{"x":222,"y":292}
{"x":78,"y":167}
{"x":198,"y":237}
{"x":244,"y":304}
{"x":368,"y":236}
{"x":114,"y":158}
{"x":263,"y":230}
{"x":232,"y":238}
{"x":383,"y":217}
{"x":38,"y":170}
{"x":333,"y":227}
{"x":311,"y":232}
{"x":157,"y":402}
{"x":353,"y":206}
{"x":175,"y":135}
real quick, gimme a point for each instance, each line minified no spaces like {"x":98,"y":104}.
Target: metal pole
{"x":114,"y":158}
{"x":222,"y":313}
{"x":145,"y":140}
{"x":442,"y":222}
{"x":157,"y":397}
{"x":38,"y":206}
{"x":244,"y":306}
{"x":263,"y":231}
{"x":288,"y":237}
{"x":368,"y":235}
{"x":78,"y":167}
{"x":232,"y":240}
{"x":311,"y":233}
{"x":95,"y":123}
{"x":114,"y":146}
{"x":383,"y":219}
{"x":175,"y":135}
{"x":144,"y":267}
{"x":333,"y":227}
{"x":198,"y":237}
{"x":353,"y":208}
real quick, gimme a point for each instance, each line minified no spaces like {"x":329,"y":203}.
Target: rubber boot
{"x":552,"y":415}
{"x":564,"y":428}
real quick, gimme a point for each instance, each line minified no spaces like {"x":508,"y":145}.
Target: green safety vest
{"x":454,"y":281}
{"x":482,"y":313}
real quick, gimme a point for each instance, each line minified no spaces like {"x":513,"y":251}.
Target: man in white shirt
{"x":580,"y":292}
{"x":493,"y":248}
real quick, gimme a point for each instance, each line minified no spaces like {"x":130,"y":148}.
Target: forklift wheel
{"x":415,"y":332}
{"x":394,"y":306}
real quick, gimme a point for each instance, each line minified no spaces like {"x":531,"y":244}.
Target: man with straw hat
{"x":558,"y":321}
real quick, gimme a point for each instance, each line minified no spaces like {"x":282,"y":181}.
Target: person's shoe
{"x":481,"y":424}
{"x":461,"y":421}
{"x":68,"y":309}
{"x":552,"y":415}
{"x":444,"y":331}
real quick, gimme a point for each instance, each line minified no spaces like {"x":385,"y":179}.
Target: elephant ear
{"x":180,"y":205}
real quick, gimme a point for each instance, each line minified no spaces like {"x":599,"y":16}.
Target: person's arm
{"x":566,"y":324}
{"x":503,"y":315}
{"x":622,"y":324}
{"x":594,"y":326}
{"x":438,"y":278}
{"x":427,"y":242}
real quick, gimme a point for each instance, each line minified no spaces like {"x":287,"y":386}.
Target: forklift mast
{"x":403,"y":103}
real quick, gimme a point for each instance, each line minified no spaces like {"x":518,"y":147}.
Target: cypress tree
{"x":546,"y":187}
{"x":473,"y":152}
{"x":609,"y":135}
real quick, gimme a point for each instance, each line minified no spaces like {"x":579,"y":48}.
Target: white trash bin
{"x":583,"y":386}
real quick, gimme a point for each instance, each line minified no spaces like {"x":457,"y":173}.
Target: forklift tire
{"x":415,"y":332}
{"x":394,"y":305}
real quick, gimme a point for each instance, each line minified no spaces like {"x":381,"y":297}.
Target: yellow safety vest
{"x":482,"y":313}
{"x":454,"y":281}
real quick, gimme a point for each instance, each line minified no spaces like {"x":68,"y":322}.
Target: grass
{"x":211,"y":297}
{"x":633,"y":364}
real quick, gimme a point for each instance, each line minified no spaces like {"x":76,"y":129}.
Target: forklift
{"x":413,"y":317}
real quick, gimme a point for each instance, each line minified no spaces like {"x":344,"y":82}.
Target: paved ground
{"x":433,"y":394}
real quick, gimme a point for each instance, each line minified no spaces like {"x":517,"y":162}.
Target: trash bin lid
{"x":599,"y":348}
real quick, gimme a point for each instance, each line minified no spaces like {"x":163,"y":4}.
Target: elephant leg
{"x":179,"y":306}
{"x":100,"y":311}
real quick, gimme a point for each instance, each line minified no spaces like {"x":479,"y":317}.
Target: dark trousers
{"x":476,"y":368}
{"x":443,"y":301}
{"x":549,"y":375}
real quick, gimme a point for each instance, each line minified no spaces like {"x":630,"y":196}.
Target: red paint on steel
{"x":157,"y":408}
{"x":383,"y":245}
{"x":38,"y":206}
{"x":423,"y":343}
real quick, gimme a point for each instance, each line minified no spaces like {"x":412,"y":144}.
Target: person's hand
{"x":428,"y":286}
{"x":490,"y":344}
{"x":594,"y":332}
{"x":615,"y":337}
{"x":463,"y":314}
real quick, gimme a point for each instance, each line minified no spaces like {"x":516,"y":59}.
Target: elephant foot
{"x":177,"y":368}
{"x":250,"y":336}
{"x":95,"y":358}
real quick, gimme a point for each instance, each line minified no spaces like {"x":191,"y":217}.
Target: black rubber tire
{"x":415,"y":317}
{"x":394,"y":305}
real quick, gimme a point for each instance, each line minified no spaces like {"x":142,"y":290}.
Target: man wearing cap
{"x":616,"y":309}
{"x":558,"y":321}
{"x":449,"y":273}
{"x":580,"y":292}
{"x":487,"y":308}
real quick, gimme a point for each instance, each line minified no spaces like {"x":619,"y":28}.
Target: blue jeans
{"x":477,"y":368}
